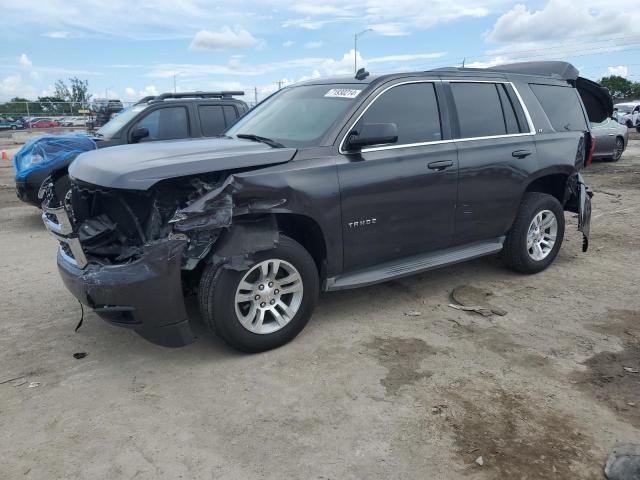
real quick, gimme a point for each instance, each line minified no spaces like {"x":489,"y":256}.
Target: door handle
{"x":440,"y":165}
{"x":520,"y":153}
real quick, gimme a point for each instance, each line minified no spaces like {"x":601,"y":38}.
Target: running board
{"x":414,"y":264}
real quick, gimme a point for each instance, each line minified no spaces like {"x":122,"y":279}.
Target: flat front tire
{"x":536,"y":235}
{"x":265,"y":306}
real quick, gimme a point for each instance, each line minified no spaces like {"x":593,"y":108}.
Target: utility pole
{"x":355,"y":48}
{"x":279,"y":85}
{"x":255,"y":95}
{"x":174,"y":82}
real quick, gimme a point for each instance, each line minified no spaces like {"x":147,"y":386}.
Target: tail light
{"x":592,"y":149}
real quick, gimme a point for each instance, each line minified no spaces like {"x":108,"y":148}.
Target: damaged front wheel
{"x":265,"y":306}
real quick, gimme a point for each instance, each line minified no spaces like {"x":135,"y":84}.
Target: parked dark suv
{"x":327,"y":185}
{"x":168,"y":116}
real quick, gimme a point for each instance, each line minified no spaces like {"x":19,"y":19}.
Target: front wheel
{"x":265,"y":306}
{"x":537,"y":233}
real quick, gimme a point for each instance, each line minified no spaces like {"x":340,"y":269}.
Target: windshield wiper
{"x":258,"y":138}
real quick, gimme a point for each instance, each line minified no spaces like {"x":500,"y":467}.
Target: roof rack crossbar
{"x":223,"y":94}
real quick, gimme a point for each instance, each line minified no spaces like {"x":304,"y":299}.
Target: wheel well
{"x":554,"y":185}
{"x":307,"y":233}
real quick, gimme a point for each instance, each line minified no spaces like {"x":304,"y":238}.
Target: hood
{"x":138,"y":167}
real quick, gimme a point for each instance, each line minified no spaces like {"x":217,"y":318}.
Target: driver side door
{"x":165,"y":123}
{"x":399,"y":199}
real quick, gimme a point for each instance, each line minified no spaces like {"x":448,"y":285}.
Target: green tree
{"x":618,"y":86}
{"x":61,"y":90}
{"x":79,"y":91}
{"x":52,"y":105}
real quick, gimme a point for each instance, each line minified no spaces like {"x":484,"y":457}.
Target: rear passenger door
{"x":495,"y":152}
{"x":215,"y":119}
{"x":399,"y":199}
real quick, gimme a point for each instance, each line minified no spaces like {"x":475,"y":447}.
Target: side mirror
{"x":373,"y":134}
{"x":138,"y":134}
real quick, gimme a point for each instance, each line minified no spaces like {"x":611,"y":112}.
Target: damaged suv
{"x":326,"y":185}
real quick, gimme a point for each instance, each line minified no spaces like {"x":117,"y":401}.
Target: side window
{"x":510,"y":119}
{"x":165,"y":124}
{"x":211,"y":120}
{"x":230,"y":115}
{"x":479,"y":109}
{"x":413,"y":108}
{"x":562,"y":106}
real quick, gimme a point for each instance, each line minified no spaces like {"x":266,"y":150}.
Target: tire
{"x":618,"y":150}
{"x":638,"y":129}
{"x":221,"y":313}
{"x":516,"y":253}
{"x":13,"y":127}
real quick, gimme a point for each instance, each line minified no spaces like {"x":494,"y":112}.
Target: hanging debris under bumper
{"x":144,"y":295}
{"x":578,"y":201}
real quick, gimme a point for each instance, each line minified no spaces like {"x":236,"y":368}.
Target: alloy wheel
{"x":268,"y":296}
{"x":541,"y":235}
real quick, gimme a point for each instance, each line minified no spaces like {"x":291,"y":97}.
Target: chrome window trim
{"x":532,"y":130}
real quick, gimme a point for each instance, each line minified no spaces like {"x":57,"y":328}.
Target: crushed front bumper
{"x":144,"y":295}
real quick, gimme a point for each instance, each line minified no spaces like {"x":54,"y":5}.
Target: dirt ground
{"x":365,"y":392}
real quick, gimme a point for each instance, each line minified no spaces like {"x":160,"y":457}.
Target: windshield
{"x":298,"y":116}
{"x":623,"y":108}
{"x":112,"y":127}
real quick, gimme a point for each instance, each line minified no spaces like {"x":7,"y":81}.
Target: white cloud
{"x":406,"y":57}
{"x":316,"y":9}
{"x":57,"y":34}
{"x":14,"y":86}
{"x":620,"y":70}
{"x":326,"y":66}
{"x":288,"y":43}
{"x":130,"y":92}
{"x":562,"y":19}
{"x":223,"y":39}
{"x":313,"y":44}
{"x":149,"y":90}
{"x":25,"y":62}
{"x":390,"y":29}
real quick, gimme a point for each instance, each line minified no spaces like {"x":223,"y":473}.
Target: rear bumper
{"x":144,"y":295}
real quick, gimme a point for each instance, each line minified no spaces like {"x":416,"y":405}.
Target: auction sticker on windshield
{"x":342,"y":93}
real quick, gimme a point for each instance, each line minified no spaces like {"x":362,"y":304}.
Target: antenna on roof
{"x":463,"y":60}
{"x":361,"y":74}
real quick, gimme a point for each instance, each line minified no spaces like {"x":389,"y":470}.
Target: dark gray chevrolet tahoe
{"x":328,"y":184}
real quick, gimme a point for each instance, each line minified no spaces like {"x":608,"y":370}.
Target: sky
{"x":129,"y":49}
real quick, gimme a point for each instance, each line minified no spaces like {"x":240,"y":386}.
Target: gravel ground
{"x":366,"y":391}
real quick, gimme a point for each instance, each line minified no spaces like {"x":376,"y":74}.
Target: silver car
{"x":611,"y":139}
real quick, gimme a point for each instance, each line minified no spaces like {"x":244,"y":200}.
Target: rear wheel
{"x":618,"y":149}
{"x":265,"y":306}
{"x":537,"y":233}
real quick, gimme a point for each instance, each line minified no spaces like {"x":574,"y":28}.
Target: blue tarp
{"x":48,"y":150}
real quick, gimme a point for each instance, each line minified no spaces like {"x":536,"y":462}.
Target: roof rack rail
{"x":223,"y":94}
{"x":145,"y":99}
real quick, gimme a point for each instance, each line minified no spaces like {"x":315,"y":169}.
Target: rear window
{"x":562,"y":106}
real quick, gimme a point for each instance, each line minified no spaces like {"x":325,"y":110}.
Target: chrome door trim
{"x":532,"y":130}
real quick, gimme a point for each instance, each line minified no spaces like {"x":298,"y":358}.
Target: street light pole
{"x":355,"y":48}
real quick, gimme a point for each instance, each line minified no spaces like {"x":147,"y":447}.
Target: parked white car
{"x":74,"y":122}
{"x":628,"y":114}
